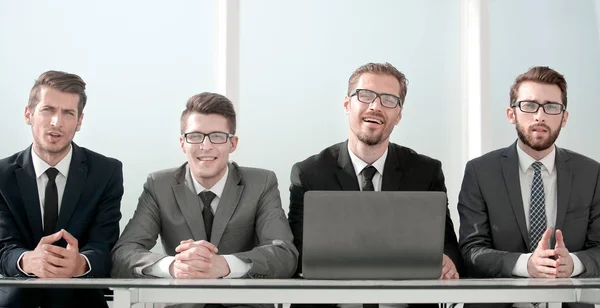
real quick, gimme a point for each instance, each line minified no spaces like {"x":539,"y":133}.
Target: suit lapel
{"x":27,"y":182}
{"x":74,"y":187}
{"x":188,"y":202}
{"x":564,"y":177}
{"x":228,"y":203}
{"x":346,"y":174}
{"x":510,"y":170}
{"x":392,"y":170}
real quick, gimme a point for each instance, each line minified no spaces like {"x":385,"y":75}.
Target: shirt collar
{"x":217,"y":189}
{"x":359,"y":164}
{"x":40,"y":166}
{"x":525,"y":160}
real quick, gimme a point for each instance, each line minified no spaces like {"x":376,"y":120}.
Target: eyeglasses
{"x":214,"y":137}
{"x":368,"y":97}
{"x":533,"y":107}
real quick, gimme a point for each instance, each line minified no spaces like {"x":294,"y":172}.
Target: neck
{"x":537,"y":155}
{"x":52,"y":159}
{"x":368,"y":153}
{"x":208,"y":183}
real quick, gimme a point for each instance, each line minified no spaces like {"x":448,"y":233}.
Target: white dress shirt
{"x":40,"y":167}
{"x":359,"y":165}
{"x":549,"y":178}
{"x":237,"y":267}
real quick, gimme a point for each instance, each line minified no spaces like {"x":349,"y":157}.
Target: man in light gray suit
{"x":215,"y":218}
{"x":532,"y":209}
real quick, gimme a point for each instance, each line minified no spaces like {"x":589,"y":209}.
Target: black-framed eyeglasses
{"x":533,"y":107}
{"x":214,"y":137}
{"x":368,"y":97}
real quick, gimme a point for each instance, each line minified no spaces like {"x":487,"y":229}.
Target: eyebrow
{"x":536,"y":101}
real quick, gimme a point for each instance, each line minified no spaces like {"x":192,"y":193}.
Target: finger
{"x":195,"y":253}
{"x":184,"y":246}
{"x":445,"y":269}
{"x":562,"y":252}
{"x":560,"y":243}
{"x":49,"y":239}
{"x":72,"y":243}
{"x":208,"y":245}
{"x":186,"y":241}
{"x":547,"y":270}
{"x":444,"y":259}
{"x":196,"y":266}
{"x":190,"y":269}
{"x":545,"y":262}
{"x":450,"y":274}
{"x":55,"y":261}
{"x":543,"y":244}
{"x":56,"y":250}
{"x":456,"y":276}
{"x":547,"y":253}
{"x":54,"y":271}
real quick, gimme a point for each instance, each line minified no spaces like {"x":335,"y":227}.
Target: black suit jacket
{"x":332,"y":169}
{"x":90,"y":211}
{"x":493,"y":233}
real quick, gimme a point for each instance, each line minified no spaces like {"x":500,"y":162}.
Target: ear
{"x":347,"y":104}
{"x":564,"y":119}
{"x":510,"y":115}
{"x":28,"y":113}
{"x":234,"y":143}
{"x":182,"y":144}
{"x":79,"y":122}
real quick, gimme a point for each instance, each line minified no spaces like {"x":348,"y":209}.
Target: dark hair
{"x":381,"y":69}
{"x":541,"y":74}
{"x":209,"y":103}
{"x":61,"y":81}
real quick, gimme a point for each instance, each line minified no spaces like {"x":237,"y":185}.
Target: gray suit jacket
{"x":249,"y":223}
{"x":493,"y":233}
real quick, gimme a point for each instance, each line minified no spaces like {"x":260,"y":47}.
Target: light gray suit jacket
{"x":493,"y":233}
{"x":249,"y":223}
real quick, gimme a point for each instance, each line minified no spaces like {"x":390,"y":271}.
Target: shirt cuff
{"x":578,"y":267}
{"x":89,"y":266}
{"x":160,"y":269}
{"x":19,"y":265}
{"x":237,"y":267}
{"x":520,"y":268}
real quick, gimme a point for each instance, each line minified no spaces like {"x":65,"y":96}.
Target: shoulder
{"x":325,"y":159}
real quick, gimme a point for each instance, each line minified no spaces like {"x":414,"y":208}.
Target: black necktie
{"x":368,"y":173}
{"x":50,"y":202}
{"x":367,"y":185}
{"x":207,"y":214}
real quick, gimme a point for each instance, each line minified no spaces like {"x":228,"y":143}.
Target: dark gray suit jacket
{"x":249,"y":223}
{"x":493,"y":233}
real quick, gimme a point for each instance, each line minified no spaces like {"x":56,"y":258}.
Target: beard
{"x":538,"y":145}
{"x":370,"y":140}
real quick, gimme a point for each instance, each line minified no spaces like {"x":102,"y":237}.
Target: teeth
{"x":373,"y":120}
{"x":207,"y":158}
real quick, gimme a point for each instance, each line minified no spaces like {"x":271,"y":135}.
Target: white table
{"x":130,"y":291}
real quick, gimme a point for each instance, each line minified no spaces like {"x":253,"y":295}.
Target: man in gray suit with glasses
{"x":215,"y":218}
{"x":532,"y":209}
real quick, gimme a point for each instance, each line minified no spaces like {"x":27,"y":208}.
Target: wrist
{"x":82,"y":265}
{"x":226,"y":269}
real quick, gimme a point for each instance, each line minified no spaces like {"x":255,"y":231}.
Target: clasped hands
{"x":550,"y":263}
{"x":198,"y":259}
{"x":49,"y":261}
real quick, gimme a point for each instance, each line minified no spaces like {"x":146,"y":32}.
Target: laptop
{"x":373,"y":235}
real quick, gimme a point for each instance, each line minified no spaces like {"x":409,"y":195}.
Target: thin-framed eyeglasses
{"x":533,"y":107}
{"x":368,"y":97}
{"x":214,"y":137}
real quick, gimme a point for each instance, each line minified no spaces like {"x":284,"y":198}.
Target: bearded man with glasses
{"x":368,"y":161}
{"x":532,"y":209}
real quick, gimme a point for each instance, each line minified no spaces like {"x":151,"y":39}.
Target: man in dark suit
{"x":240,"y":231}
{"x":59,"y":203}
{"x":367,"y":160}
{"x":532,"y":209}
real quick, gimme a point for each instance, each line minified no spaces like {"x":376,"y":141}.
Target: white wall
{"x":296,"y":58}
{"x":141,"y":60}
{"x":563,"y":35}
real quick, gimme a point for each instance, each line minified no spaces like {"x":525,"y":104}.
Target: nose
{"x":540,"y":115}
{"x":376,"y":104}
{"x":206,"y":144}
{"x":56,"y":119}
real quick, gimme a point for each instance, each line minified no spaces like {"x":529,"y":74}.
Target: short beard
{"x":553,"y":135}
{"x":370,"y":140}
